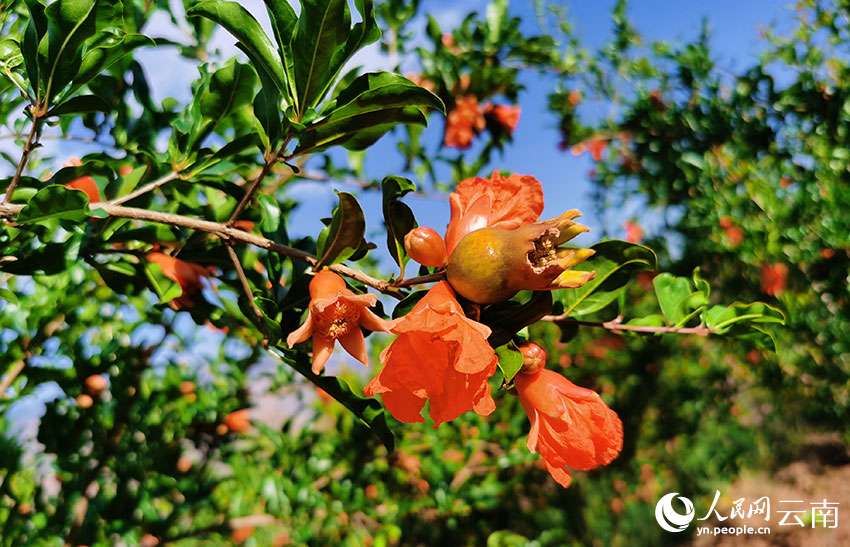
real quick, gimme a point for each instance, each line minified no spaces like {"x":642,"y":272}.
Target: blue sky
{"x":735,"y":26}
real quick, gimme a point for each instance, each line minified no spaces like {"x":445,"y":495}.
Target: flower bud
{"x":426,"y":246}
{"x":95,"y":384}
{"x":238,"y":421}
{"x":533,"y":357}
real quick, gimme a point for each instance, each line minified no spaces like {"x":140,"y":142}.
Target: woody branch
{"x":226,"y":233}
{"x":616,"y":325}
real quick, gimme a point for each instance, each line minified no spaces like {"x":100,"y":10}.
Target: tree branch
{"x":267,"y":168}
{"x":29,"y":146}
{"x":227,"y":233}
{"x":248,"y":294}
{"x":430,"y":278}
{"x":146,"y":188}
{"x":617,"y":326}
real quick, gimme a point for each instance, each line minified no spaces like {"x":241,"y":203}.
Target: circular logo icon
{"x":671,"y":520}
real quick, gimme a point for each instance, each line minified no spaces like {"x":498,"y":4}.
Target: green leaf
{"x":398,"y":217}
{"x":321,"y":32}
{"x":10,"y":54}
{"x":246,"y":29}
{"x":8,"y":296}
{"x":723,"y":318}
{"x":35,"y":30}
{"x":369,"y":411}
{"x":108,"y":52}
{"x":342,"y":238}
{"x":614,"y":263}
{"x":229,"y":88}
{"x":358,"y":108}
{"x":272,"y":225}
{"x":357,"y":132}
{"x":404,"y":306}
{"x":131,"y":180}
{"x":79,"y":105}
{"x":70,"y":23}
{"x":54,"y":201}
{"x":508,"y":318}
{"x":11,"y":57}
{"x":510,"y":360}
{"x":377,"y":91}
{"x":672,"y":293}
{"x":284,"y":19}
{"x":323,"y":42}
{"x":165,"y":288}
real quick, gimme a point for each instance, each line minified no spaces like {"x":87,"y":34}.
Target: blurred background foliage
{"x":748,"y":170}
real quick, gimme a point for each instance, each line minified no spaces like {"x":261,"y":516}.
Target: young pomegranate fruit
{"x":490,"y":265}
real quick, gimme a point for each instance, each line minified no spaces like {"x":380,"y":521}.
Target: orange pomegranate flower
{"x":774,"y":278}
{"x":596,"y":145}
{"x":506,"y":115}
{"x":186,"y":274}
{"x":570,"y":426}
{"x":498,"y":202}
{"x":336,"y":313}
{"x":439,"y":355}
{"x":464,"y":122}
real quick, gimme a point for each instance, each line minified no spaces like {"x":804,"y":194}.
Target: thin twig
{"x":249,"y":193}
{"x":227,"y":233}
{"x":29,"y":146}
{"x":146,"y":188}
{"x":617,"y":326}
{"x":248,"y":293}
{"x":430,"y":278}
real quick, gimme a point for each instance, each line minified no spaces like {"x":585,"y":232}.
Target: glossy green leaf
{"x":508,"y":318}
{"x":284,"y":19}
{"x":70,"y":23}
{"x":164,"y":287}
{"x":10,"y":58}
{"x":398,"y":218}
{"x":35,"y":30}
{"x":723,"y":318}
{"x":54,"y":202}
{"x":510,"y":360}
{"x":377,"y":91}
{"x":108,"y":52}
{"x":323,"y":42}
{"x":229,"y":88}
{"x":79,"y":105}
{"x":404,"y":306}
{"x":672,"y":293}
{"x":252,"y":39}
{"x":358,"y":132}
{"x":342,"y":238}
{"x":369,"y":411}
{"x":8,"y":296}
{"x":614,"y":263}
{"x":10,"y":54}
